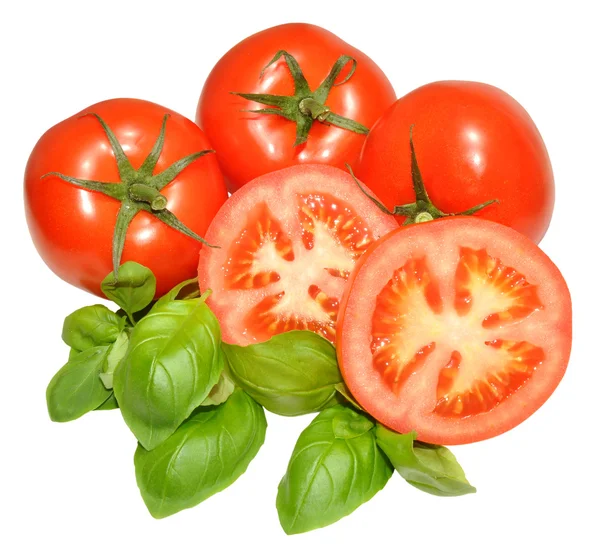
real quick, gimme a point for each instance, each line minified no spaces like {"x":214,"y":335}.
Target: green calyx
{"x":305,"y":106}
{"x":138,"y":190}
{"x":423,"y":209}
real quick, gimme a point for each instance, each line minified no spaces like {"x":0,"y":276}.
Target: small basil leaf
{"x":430,"y":468}
{"x":91,"y":326}
{"x":291,"y":374}
{"x":73,"y":352}
{"x":172,"y":363}
{"x":333,"y":470}
{"x":109,"y":404}
{"x":186,"y":290}
{"x":134,"y":289}
{"x":76,"y":389}
{"x":206,"y":454}
{"x":115,"y":354}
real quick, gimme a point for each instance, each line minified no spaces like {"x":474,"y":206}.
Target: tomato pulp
{"x":73,"y":227}
{"x":289,"y":241}
{"x":249,"y":145}
{"x":458,"y":329}
{"x":474,"y":143}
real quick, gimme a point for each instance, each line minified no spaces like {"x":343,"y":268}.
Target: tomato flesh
{"x":289,"y":242}
{"x":459,"y":329}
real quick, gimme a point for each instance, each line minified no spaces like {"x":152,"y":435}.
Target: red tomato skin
{"x":72,"y":228}
{"x":250,"y":145}
{"x":473,"y":143}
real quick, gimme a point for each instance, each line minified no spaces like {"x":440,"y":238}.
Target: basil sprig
{"x":195,"y":405}
{"x":291,"y":374}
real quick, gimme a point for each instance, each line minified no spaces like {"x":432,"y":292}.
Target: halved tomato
{"x":458,"y":329}
{"x":289,"y":241}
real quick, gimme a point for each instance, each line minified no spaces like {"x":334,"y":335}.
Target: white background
{"x":69,"y":489}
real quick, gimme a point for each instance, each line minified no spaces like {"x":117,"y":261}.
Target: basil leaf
{"x":336,"y":466}
{"x":110,"y":403}
{"x":291,"y":374}
{"x":206,"y":454}
{"x":76,"y":389}
{"x":91,"y":326}
{"x":186,"y":290}
{"x":115,"y":354}
{"x":134,"y":289}
{"x":172,"y":363}
{"x":346,"y":396}
{"x":430,"y":468}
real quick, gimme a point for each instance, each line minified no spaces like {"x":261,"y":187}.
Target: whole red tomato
{"x":315,"y":108}
{"x":474,"y":143}
{"x":100,"y":181}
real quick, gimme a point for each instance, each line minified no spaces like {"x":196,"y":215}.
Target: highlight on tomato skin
{"x":458,"y":329}
{"x":289,"y":241}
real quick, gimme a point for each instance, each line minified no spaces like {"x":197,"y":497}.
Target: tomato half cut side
{"x":289,"y":241}
{"x":458,"y":329}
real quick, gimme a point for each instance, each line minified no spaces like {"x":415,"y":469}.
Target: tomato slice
{"x":458,"y":329}
{"x":289,"y":241}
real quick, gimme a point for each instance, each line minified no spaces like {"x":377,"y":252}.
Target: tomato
{"x":250,"y":145}
{"x":458,"y":329}
{"x":289,"y":241}
{"x":72,"y":217}
{"x":474,"y":143}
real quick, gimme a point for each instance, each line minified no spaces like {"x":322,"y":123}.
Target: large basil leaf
{"x":207,"y":453}
{"x":173,"y":361}
{"x":291,"y":374}
{"x":91,"y":326}
{"x":336,"y":466}
{"x":431,"y":468}
{"x":76,"y":389}
{"x":134,"y":289}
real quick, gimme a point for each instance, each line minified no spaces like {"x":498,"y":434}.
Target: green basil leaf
{"x":336,"y":466}
{"x":76,"y":389}
{"x":291,"y":374}
{"x":115,"y":354}
{"x":73,"y":352}
{"x":186,"y":290}
{"x":206,"y":454}
{"x":346,"y":396}
{"x":91,"y":326}
{"x":110,"y":403}
{"x":173,"y":361}
{"x":134,"y":289}
{"x":430,"y":468}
